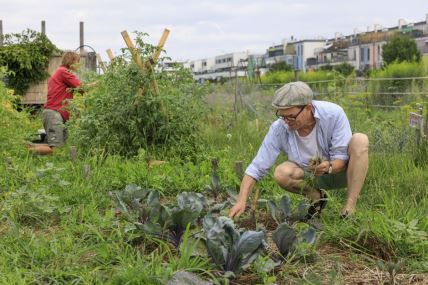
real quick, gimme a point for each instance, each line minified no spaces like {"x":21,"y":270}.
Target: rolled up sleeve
{"x":342,"y":135}
{"x":266,"y":156}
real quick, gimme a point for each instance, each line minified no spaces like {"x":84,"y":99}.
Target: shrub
{"x":122,"y":114}
{"x":396,"y":86}
{"x":400,"y":48}
{"x":344,"y":68}
{"x":26,"y":56}
{"x":15,"y":124}
{"x":280,"y":66}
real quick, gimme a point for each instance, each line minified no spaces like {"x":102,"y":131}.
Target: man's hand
{"x":321,"y":168}
{"x":237,"y":210}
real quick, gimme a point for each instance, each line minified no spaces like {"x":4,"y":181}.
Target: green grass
{"x":58,"y":226}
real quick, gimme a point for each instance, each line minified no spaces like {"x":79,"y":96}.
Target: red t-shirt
{"x":58,"y":84}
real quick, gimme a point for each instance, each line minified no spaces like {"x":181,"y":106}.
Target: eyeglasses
{"x":290,"y":118}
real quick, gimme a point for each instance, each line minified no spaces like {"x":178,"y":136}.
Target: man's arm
{"x":247,"y":184}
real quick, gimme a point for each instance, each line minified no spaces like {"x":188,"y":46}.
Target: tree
{"x":26,"y":56}
{"x":344,"y":68}
{"x":280,"y":66}
{"x":400,"y":48}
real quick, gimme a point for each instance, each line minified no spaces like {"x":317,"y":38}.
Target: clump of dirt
{"x":261,"y":218}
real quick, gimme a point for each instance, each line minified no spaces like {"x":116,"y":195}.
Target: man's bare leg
{"x":357,"y":170}
{"x":289,"y":176}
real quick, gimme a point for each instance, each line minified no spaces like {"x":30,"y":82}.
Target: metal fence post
{"x":426,"y":126}
{"x":419,"y":128}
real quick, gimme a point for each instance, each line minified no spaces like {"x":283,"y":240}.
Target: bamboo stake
{"x":130,"y":44}
{"x":110,"y":54}
{"x":161,"y":44}
{"x":101,"y":63}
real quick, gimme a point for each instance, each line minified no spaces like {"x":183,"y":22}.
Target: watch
{"x":330,"y":167}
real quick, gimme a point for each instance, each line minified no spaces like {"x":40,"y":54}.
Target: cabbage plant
{"x":144,"y":210}
{"x":282,"y":212}
{"x":231,"y":250}
{"x":287,"y":239}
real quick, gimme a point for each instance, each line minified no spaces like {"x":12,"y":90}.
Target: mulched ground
{"x":332,"y":264}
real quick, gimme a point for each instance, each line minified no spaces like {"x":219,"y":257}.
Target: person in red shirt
{"x":55,"y":112}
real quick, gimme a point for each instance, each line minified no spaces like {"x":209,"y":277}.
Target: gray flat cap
{"x":292,"y":94}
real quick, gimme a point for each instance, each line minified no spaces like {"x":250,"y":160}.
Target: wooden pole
{"x":296,"y":75}
{"x":110,"y":54}
{"x":1,"y":33}
{"x":426,"y":126}
{"x":43,"y":27}
{"x":239,"y":169}
{"x":86,"y":171}
{"x":134,"y":52}
{"x":160,"y":46}
{"x":153,"y":60}
{"x":419,"y":129}
{"x":9,"y":162}
{"x":235,"y":101}
{"x":101,"y":63}
{"x":81,"y":37}
{"x":73,"y":153}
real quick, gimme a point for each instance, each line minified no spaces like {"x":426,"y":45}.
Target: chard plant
{"x":231,"y":250}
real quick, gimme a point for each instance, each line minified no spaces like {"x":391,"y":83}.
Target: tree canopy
{"x":400,"y":48}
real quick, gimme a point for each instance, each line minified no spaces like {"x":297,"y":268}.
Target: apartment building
{"x":363,"y":50}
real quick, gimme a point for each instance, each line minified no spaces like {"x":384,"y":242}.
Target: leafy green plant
{"x":144,"y":210}
{"x":400,"y":48}
{"x":16,"y":125}
{"x":393,"y":268}
{"x":288,"y":240}
{"x":123,"y":113}
{"x":388,"y":88}
{"x":31,"y":207}
{"x":282,"y":212}
{"x":229,"y":249}
{"x":215,"y":188}
{"x":26,"y":56}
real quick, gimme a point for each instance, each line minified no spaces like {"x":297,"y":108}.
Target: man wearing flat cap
{"x":317,"y":138}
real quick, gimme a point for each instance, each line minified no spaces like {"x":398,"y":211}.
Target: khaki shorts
{"x":330,"y":181}
{"x":56,"y":131}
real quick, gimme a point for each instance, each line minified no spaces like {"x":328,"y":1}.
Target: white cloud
{"x":202,"y":28}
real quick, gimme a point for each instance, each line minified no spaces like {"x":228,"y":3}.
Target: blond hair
{"x":69,"y":58}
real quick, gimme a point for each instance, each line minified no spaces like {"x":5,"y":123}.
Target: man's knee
{"x":359,"y":145}
{"x":285,"y":174}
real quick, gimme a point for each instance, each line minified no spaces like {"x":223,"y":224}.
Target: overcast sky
{"x":200,"y":28}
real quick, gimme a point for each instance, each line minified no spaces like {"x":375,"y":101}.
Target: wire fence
{"x":379,"y":107}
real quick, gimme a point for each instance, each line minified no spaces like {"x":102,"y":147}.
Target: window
{"x":368,"y":54}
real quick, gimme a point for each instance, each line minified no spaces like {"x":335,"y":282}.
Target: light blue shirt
{"x":333,"y":136}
